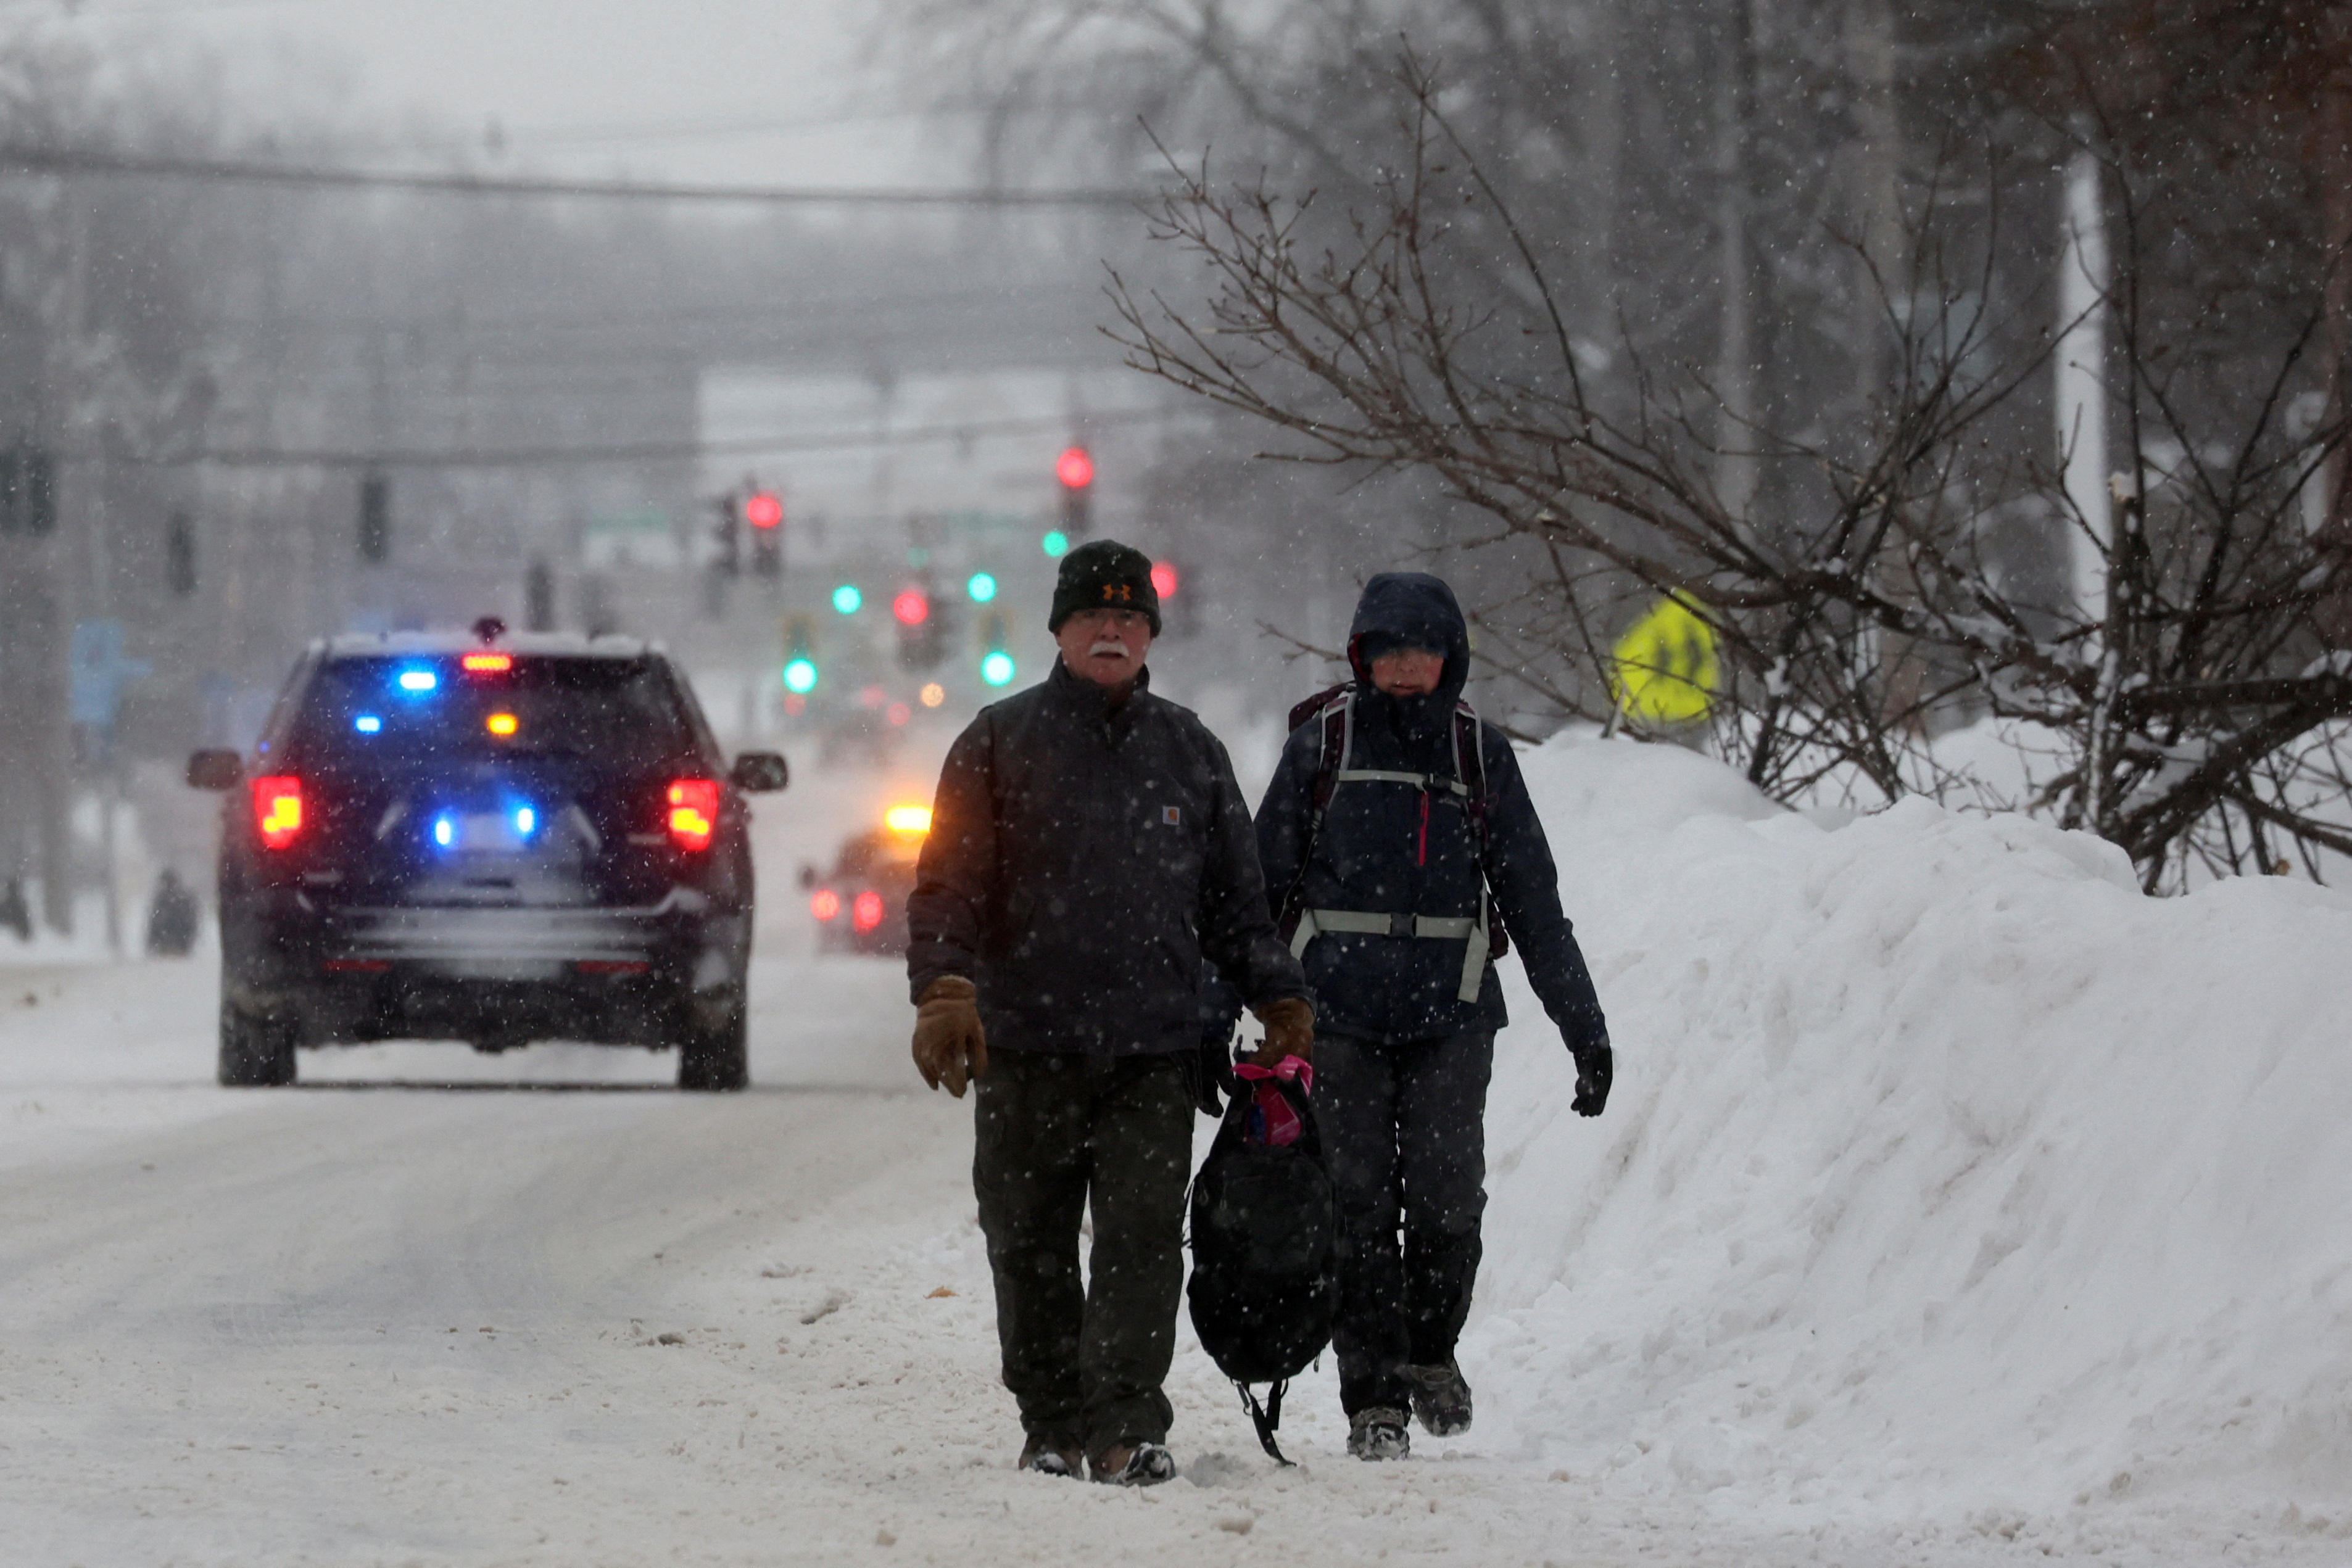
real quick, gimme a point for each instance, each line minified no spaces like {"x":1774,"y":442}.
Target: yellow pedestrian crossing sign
{"x":1663,"y":670}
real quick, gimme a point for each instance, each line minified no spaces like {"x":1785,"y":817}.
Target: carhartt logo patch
{"x":1172,"y":815}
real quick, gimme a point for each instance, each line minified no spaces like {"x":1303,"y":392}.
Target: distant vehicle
{"x":490,"y":839}
{"x":861,"y":907}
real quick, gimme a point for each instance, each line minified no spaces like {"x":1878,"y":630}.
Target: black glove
{"x":1212,"y":1071}
{"x":1594,"y":1066}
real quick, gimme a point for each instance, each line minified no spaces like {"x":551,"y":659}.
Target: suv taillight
{"x":693,"y":812}
{"x":278,"y":809}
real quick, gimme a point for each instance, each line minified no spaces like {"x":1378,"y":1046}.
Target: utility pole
{"x":2081,"y":385}
{"x":1736,"y":366}
{"x":36,"y":612}
{"x":1883,"y":278}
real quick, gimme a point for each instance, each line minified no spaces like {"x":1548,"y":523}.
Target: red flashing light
{"x":488,"y":664}
{"x":826,"y":904}
{"x":900,"y":713}
{"x":912,"y":607}
{"x":1075,"y":468}
{"x":693,"y":812}
{"x":866,"y":913}
{"x":764,"y":509}
{"x":1164,"y":578}
{"x":278,"y":809}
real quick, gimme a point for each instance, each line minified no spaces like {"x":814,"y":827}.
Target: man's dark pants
{"x":1404,"y":1127}
{"x":1054,"y":1132}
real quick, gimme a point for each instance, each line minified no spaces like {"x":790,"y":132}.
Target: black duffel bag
{"x":1266,"y":1234}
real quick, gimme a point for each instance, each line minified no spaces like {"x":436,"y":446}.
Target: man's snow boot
{"x":1134,"y":1465}
{"x":1378,"y":1433}
{"x":1048,"y":1458}
{"x":1440,"y":1397}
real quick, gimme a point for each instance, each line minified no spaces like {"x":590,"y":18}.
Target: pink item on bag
{"x":1273,"y":1119}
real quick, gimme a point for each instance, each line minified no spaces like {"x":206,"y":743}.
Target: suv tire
{"x":716,"y":1060}
{"x":254,"y":1052}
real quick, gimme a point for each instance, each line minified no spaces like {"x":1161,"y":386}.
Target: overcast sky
{"x":753,"y":90}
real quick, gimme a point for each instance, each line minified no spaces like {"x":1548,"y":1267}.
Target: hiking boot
{"x":1440,"y":1397}
{"x":1134,"y":1465}
{"x":1378,"y":1433}
{"x":1048,"y":1458}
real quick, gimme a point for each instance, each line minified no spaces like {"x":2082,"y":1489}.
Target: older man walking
{"x":1088,"y":848}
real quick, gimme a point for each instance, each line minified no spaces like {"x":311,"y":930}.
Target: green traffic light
{"x":980,"y":588}
{"x":1057,"y":544}
{"x":800,"y":676}
{"x":997,"y":669}
{"x":847,"y":599}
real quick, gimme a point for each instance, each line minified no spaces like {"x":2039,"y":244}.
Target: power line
{"x":828,"y":309}
{"x":583,"y":456}
{"x":72,"y":161}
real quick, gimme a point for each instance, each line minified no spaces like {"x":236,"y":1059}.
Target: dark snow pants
{"x":1404,"y":1127}
{"x":1055,"y":1132}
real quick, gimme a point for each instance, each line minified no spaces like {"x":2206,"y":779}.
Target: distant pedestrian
{"x":1088,"y":848}
{"x":173,"y":915}
{"x":15,"y":914}
{"x":1401,"y":844}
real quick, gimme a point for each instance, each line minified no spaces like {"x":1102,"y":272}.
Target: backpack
{"x":1335,"y":709}
{"x":1266,"y":1238}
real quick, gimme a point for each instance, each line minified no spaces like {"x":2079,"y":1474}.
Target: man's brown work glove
{"x":948,"y":1041}
{"x":1289,"y":1031}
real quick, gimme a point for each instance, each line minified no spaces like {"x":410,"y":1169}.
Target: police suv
{"x":491,"y":839}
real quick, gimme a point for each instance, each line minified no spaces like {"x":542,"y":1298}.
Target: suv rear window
{"x":379,"y":712}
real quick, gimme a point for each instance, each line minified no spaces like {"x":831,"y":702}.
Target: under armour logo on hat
{"x":1123,"y":593}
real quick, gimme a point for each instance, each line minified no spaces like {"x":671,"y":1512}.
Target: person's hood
{"x":1415,"y":610}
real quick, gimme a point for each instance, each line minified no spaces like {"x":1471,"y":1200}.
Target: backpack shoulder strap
{"x":1338,"y":719}
{"x":1337,"y":716}
{"x":1470,"y":768}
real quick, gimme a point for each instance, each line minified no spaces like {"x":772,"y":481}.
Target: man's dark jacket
{"x":1082,"y":861}
{"x":1380,"y":853}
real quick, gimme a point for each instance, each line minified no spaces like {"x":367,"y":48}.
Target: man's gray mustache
{"x":1118,"y":649}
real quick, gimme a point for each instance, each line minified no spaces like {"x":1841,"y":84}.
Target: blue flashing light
{"x":367,"y":724}
{"x":1056,"y":544}
{"x":997,"y":669}
{"x":444,"y":831}
{"x":800,"y":676}
{"x":415,"y":679}
{"x":526,"y":820}
{"x":980,"y":588}
{"x":847,"y":599}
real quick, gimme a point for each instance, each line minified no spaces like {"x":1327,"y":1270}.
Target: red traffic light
{"x":1164,"y":578}
{"x":912,"y":607}
{"x":1075,"y":468}
{"x":764,"y":509}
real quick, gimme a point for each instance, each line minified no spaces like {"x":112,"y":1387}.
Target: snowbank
{"x":1944,"y":1170}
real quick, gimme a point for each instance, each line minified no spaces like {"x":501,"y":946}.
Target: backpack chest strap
{"x":1463,"y":928}
{"x":1425,"y":781}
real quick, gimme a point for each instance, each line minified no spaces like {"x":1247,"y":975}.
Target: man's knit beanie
{"x":1104,"y":574}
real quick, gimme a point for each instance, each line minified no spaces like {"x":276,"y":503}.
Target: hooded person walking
{"x":1088,"y":849}
{"x":1401,"y":846}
